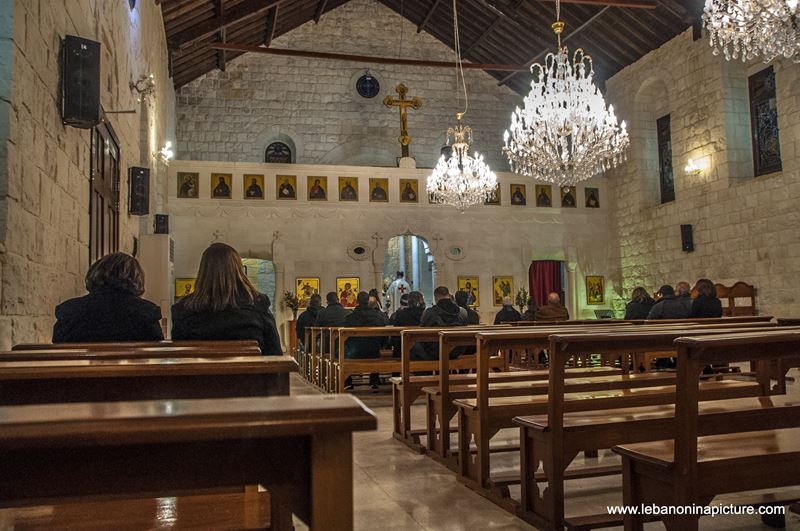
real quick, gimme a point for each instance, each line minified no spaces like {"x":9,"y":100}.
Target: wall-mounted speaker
{"x":138,"y":191}
{"x":161,"y":224}
{"x":80,"y":82}
{"x":687,"y":240}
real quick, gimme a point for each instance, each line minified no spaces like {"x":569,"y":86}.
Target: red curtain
{"x":544,"y":277}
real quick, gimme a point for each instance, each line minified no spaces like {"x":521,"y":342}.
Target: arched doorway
{"x":412,"y":255}
{"x":261,"y":274}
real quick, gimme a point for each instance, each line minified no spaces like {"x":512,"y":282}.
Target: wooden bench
{"x":481,"y":418}
{"x":235,"y":345}
{"x":546,"y":441}
{"x":299,"y":448}
{"x":344,"y":367}
{"x":691,"y":469}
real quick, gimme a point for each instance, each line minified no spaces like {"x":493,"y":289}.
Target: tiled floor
{"x":394,"y":488}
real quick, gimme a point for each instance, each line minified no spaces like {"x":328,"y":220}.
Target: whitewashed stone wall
{"x":312,"y":238}
{"x":745,"y":228}
{"x":44,"y":166}
{"x":234,"y":115}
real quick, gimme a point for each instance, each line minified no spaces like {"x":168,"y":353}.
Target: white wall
{"x":312,"y":238}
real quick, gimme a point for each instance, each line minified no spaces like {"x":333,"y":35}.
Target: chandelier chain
{"x":459,"y":66}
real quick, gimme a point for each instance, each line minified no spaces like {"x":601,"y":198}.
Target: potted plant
{"x":521,"y":299}
{"x":291,"y":301}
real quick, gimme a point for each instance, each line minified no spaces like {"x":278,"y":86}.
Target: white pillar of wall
{"x":571,"y":290}
{"x":415,"y":262}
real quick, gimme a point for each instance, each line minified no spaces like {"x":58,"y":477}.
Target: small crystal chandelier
{"x":749,"y":28}
{"x":564,"y":134}
{"x":461,"y":180}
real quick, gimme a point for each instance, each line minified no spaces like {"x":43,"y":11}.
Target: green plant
{"x":521,"y":300}
{"x":291,"y":301}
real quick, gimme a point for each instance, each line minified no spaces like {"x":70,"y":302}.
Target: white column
{"x":415,"y":262}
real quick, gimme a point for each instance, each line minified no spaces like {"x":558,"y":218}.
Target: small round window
{"x":368,"y":86}
{"x":359,"y":250}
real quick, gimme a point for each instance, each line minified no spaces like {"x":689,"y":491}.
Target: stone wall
{"x":745,"y":228}
{"x":234,"y":115}
{"x":44,"y":166}
{"x":313,"y":238}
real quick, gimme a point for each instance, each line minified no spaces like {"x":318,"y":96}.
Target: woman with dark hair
{"x":225,"y":305}
{"x":640,"y":305}
{"x":113,"y":310}
{"x":706,"y":304}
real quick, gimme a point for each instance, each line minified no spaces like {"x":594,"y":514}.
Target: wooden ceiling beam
{"x":320,"y":10}
{"x":428,"y":16}
{"x":219,"y":11}
{"x":483,"y":35}
{"x":272,"y":22}
{"x":244,"y":10}
{"x":577,"y":31}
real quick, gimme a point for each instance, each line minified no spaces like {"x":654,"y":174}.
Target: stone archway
{"x":411,"y":254}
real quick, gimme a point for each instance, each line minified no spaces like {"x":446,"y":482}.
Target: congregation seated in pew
{"x":444,"y":313}
{"x":113,"y":310}
{"x":706,"y":304}
{"x":462,"y":299}
{"x":640,"y":304}
{"x":308,"y":317}
{"x":225,"y":305}
{"x":408,"y":315}
{"x":530,"y":313}
{"x":669,"y":305}
{"x":553,"y":310}
{"x":333,"y":314}
{"x":364,"y":315}
{"x":507,"y":314}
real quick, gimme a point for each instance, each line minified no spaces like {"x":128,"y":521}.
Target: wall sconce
{"x":692,"y":168}
{"x":166,"y":152}
{"x":145,"y":87}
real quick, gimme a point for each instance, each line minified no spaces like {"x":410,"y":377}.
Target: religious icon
{"x":286,"y":186}
{"x":221,"y":185}
{"x":347,"y":288}
{"x":253,"y":186}
{"x":494,"y":199}
{"x":317,"y":188}
{"x":519,"y":195}
{"x":184,"y":287}
{"x":592,"y":197}
{"x":544,"y":195}
{"x":305,"y":287}
{"x":188,"y":185}
{"x":568,"y":195}
{"x":502,"y":287}
{"x":348,"y":189}
{"x":470,"y":285}
{"x":595,"y":291}
{"x":409,"y":190}
{"x":378,"y":190}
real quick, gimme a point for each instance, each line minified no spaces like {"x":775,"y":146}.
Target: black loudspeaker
{"x":139,"y":191}
{"x":80,"y":82}
{"x":687,"y":240}
{"x":162,"y":224}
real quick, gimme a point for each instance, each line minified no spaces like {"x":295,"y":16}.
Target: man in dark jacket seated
{"x":553,"y":311}
{"x":668,"y":306}
{"x":508,"y":314}
{"x":462,"y":299}
{"x":444,"y":313}
{"x":409,"y":314}
{"x":308,"y":318}
{"x":332,"y":315}
{"x":358,"y":348}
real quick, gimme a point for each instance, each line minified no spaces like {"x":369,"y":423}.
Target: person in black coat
{"x":308,"y":318}
{"x":442,"y":314}
{"x":225,"y":305}
{"x":362,"y":316}
{"x":640,"y":305}
{"x":668,"y":306}
{"x":706,"y":304}
{"x":462,"y":299}
{"x":113,"y":310}
{"x":410,"y":315}
{"x":508,"y":314}
{"x":530,"y":313}
{"x":333,"y":314}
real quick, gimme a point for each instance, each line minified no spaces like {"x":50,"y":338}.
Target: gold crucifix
{"x":415,"y":103}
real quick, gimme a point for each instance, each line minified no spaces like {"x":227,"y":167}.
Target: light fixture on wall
{"x":145,"y":87}
{"x":166,"y":154}
{"x":564,"y":134}
{"x":750,"y":28}
{"x":460,"y":180}
{"x":692,"y":168}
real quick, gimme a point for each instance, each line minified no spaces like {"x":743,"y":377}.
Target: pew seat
{"x":221,"y":512}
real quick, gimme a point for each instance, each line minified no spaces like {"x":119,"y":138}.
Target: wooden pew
{"x":348,"y":367}
{"x":482,"y":417}
{"x":556,"y":438}
{"x":246,"y":345}
{"x":299,"y":448}
{"x":77,"y":380}
{"x":691,"y":468}
{"x":127,"y":353}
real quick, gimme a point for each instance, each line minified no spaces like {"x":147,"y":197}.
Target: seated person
{"x":225,"y":305}
{"x":706,"y":304}
{"x":113,"y":310}
{"x":411,"y":315}
{"x":508,"y":314}
{"x":308,"y":318}
{"x":358,"y":348}
{"x":668,"y":306}
{"x":375,"y":300}
{"x":683,"y":291}
{"x":462,"y":299}
{"x":530,"y":313}
{"x":553,"y":311}
{"x":640,"y":305}
{"x":444,"y":313}
{"x":332,"y":315}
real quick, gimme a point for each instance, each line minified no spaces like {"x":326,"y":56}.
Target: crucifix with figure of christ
{"x":401,"y":102}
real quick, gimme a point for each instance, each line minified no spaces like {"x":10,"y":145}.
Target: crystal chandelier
{"x":564,"y":134}
{"x":461,"y":180}
{"x":751,"y":28}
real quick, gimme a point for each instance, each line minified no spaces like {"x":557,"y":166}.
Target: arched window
{"x":278,"y":152}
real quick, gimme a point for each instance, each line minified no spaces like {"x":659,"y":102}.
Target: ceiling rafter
{"x":272,"y":22}
{"x":428,"y":16}
{"x":244,"y":10}
{"x":320,"y":10}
